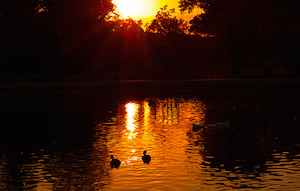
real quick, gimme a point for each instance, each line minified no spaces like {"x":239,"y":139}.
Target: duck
{"x":223,"y":125}
{"x":195,"y":98}
{"x":114,"y":163}
{"x":177,"y":99}
{"x":199,"y":127}
{"x":146,"y":158}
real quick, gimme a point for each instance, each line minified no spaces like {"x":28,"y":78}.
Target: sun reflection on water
{"x":147,"y":112}
{"x":132,"y":110}
{"x":159,"y":126}
{"x":257,"y":152}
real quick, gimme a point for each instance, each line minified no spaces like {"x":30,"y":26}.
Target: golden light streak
{"x":131,"y":110}
{"x":146,"y":114}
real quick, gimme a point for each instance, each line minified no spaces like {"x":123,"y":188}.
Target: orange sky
{"x":147,"y":9}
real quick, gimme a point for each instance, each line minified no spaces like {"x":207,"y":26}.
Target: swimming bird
{"x":199,"y":127}
{"x":146,"y":158}
{"x":223,"y":125}
{"x":114,"y":163}
{"x":177,"y":99}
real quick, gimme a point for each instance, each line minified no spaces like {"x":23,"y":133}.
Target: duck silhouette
{"x":199,"y":127}
{"x":223,"y":125}
{"x":114,"y":163}
{"x":146,"y":158}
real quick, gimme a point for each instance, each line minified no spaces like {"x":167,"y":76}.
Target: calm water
{"x":65,"y":143}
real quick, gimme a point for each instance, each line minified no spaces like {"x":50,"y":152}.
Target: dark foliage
{"x":166,"y":24}
{"x":36,"y":35}
{"x":256,"y":31}
{"x":54,"y":36}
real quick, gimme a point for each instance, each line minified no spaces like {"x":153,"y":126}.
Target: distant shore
{"x":89,"y":84}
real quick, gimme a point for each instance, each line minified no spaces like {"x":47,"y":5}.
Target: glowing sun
{"x":136,"y":9}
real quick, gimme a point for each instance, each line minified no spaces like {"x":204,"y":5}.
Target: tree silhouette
{"x":36,"y":34}
{"x":164,"y":23}
{"x":81,"y":19}
{"x":251,"y":29}
{"x":28,"y":34}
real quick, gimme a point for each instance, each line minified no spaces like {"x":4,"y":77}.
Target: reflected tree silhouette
{"x":52,"y":153}
{"x":248,"y":145}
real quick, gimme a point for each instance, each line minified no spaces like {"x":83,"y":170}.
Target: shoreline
{"x":78,"y":85}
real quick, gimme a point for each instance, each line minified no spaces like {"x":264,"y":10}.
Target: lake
{"x":64,"y":142}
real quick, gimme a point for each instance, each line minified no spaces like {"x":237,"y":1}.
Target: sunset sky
{"x":147,"y":9}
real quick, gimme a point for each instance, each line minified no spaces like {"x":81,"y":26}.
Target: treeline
{"x":37,"y":35}
{"x":256,"y":31}
{"x":46,"y":36}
